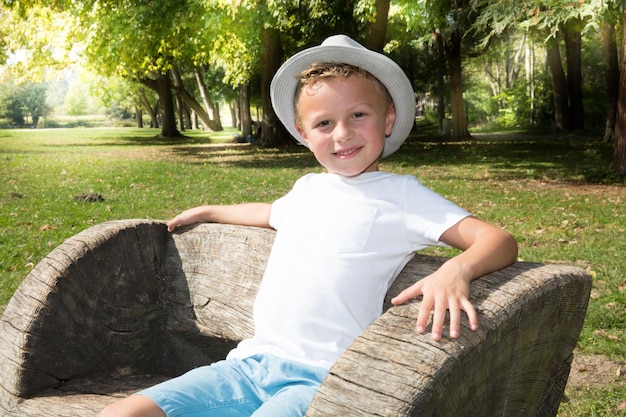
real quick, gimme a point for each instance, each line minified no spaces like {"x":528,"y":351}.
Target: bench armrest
{"x":516,"y":363}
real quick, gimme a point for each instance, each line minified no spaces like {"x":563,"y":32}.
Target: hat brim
{"x":284,"y":84}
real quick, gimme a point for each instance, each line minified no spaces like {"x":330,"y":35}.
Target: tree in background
{"x":569,"y":20}
{"x":204,"y":51}
{"x":619,"y":154}
{"x":449,"y":26}
{"x":22,"y":102}
{"x":33,"y":97}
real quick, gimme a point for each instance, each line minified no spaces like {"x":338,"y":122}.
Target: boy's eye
{"x":323,"y":123}
{"x":358,"y":114}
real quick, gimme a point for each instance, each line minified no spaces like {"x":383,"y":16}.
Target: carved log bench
{"x":126,"y":304}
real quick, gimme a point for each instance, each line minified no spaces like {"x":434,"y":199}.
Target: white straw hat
{"x":342,"y":49}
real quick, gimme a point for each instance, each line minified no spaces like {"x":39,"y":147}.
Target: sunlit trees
{"x":183,"y":57}
{"x":23,"y":104}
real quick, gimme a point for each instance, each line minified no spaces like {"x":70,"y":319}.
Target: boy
{"x":342,"y":238}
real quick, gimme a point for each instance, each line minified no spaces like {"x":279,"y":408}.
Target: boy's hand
{"x":442,"y":291}
{"x":185,"y":218}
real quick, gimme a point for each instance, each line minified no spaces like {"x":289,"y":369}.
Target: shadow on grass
{"x":248,"y":156}
{"x":574,"y":158}
{"x":144,"y":141}
{"x":571,"y":158}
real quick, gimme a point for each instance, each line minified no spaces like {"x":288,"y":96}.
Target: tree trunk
{"x":187,"y":116}
{"x":194,"y":120}
{"x":138,"y":117}
{"x":217,"y":118}
{"x":162,"y":85}
{"x":559,"y":87}
{"x":619,"y":150}
{"x":192,"y":102}
{"x":234,"y":114}
{"x":529,"y":63}
{"x":209,"y":106}
{"x":573,"y":46}
{"x":611,"y":65}
{"x":441,"y":87}
{"x":154,"y":121}
{"x":168,"y":118}
{"x":273,"y":132}
{"x":459,"y":119}
{"x":377,"y":30}
{"x":244,"y":110}
{"x":179,"y":112}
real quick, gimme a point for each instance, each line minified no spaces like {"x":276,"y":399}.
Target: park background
{"x":138,"y":102}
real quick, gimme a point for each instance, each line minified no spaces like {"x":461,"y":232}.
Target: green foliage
{"x":38,"y":45}
{"x":518,"y":111}
{"x":76,"y":100}
{"x":545,"y":18}
{"x":34,"y":100}
{"x":138,"y":40}
{"x":19,"y":102}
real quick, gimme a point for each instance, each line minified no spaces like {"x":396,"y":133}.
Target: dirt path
{"x":595,"y":371}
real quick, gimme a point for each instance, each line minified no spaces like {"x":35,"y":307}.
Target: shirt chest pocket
{"x":343,"y":229}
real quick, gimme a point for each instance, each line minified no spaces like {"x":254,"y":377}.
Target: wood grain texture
{"x":126,"y":304}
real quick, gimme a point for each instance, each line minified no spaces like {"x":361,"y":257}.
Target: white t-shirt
{"x":339,"y":245}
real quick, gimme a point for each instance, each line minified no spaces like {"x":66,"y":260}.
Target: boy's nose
{"x":342,"y":132}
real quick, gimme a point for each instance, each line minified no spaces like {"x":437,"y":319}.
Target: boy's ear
{"x":391,"y":119}
{"x":302,"y":133}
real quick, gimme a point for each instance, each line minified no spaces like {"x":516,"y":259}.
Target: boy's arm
{"x":486,"y":248}
{"x":250,"y":214}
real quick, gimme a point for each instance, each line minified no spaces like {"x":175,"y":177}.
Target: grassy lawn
{"x":548,"y":190}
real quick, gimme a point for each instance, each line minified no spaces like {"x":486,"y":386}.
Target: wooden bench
{"x":126,"y":304}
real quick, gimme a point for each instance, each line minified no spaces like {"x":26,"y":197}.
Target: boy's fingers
{"x":439,"y":318}
{"x":455,"y":320}
{"x":422,"y":316}
{"x":472,"y":317}
{"x":408,"y":294}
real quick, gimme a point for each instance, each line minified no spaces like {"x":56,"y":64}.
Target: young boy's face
{"x":344,"y":122}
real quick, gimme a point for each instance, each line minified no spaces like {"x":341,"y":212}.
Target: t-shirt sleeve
{"x":428,"y":214}
{"x":282,"y":207}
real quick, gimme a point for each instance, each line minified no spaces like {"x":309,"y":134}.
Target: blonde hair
{"x":325,"y":70}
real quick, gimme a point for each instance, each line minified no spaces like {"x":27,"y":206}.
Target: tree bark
{"x":244,"y":110}
{"x":138,"y":117}
{"x":273,"y":132}
{"x":619,"y":150}
{"x":529,"y":62}
{"x":441,"y":88}
{"x":179,"y":112}
{"x":573,"y":46}
{"x":192,"y":102}
{"x":208,"y":104}
{"x":559,"y":87}
{"x":154,"y":121}
{"x":163,"y":87}
{"x":459,"y":119}
{"x":377,"y":30}
{"x":611,"y":65}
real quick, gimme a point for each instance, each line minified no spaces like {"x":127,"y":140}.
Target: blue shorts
{"x":259,"y":386}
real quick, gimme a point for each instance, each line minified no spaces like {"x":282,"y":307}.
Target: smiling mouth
{"x":346,"y":153}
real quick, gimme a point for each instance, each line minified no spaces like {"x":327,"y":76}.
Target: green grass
{"x":553,"y":193}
